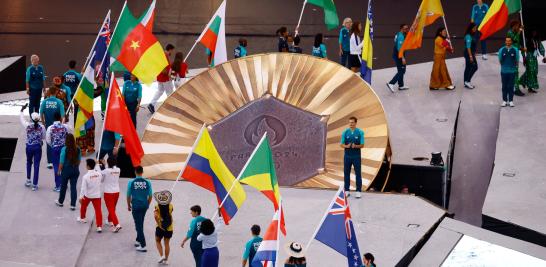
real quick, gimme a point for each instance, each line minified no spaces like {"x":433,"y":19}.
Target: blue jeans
{"x":138,"y":217}
{"x":210,"y":257}
{"x":508,"y":81}
{"x":347,"y":163}
{"x":344,"y":59}
{"x":400,"y":71}
{"x":70,"y":174}
{"x":55,"y":158}
{"x":483,"y":43}
{"x":35,"y":95}
{"x":34,"y":155}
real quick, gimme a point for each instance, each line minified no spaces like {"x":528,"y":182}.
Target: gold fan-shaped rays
{"x":309,"y":83}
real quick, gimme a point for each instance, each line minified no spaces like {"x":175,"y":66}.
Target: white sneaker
{"x":161,"y":260}
{"x":469,"y":85}
{"x":50,"y":165}
{"x":99,"y":229}
{"x":484,"y":56}
{"x":80,"y":220}
{"x":512,"y":104}
{"x":503,"y":104}
{"x":141,"y":249}
{"x":137,"y":244}
{"x":118,"y":227}
{"x":165,"y":262}
{"x":403,"y":88}
{"x":358,"y":194}
{"x":391,"y":87}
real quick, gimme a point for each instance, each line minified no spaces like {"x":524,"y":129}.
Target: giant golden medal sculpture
{"x":302,"y":102}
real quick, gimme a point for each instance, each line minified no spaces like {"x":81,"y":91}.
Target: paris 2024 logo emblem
{"x":276,"y":131}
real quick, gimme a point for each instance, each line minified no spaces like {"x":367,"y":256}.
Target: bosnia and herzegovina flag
{"x":497,"y":16}
{"x":367,"y":48}
{"x":214,"y":37}
{"x":205,"y":168}
{"x":136,"y":48}
{"x":259,"y":172}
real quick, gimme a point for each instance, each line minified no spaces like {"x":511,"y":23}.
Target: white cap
{"x":35,"y":116}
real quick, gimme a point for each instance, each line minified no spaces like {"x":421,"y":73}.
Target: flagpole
{"x":299,"y":20}
{"x":523,"y":31}
{"x":323,"y":218}
{"x":86,"y":60}
{"x":188,"y":158}
{"x":239,"y":176}
{"x":278,"y":232}
{"x":106,"y":114}
{"x":447,"y":31}
{"x":191,"y":49}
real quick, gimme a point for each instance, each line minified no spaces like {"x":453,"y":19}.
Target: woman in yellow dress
{"x":439,"y":78}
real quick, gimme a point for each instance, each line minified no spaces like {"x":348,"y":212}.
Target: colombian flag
{"x":259,"y":172}
{"x":367,"y":48}
{"x":497,"y":16}
{"x":206,"y":169}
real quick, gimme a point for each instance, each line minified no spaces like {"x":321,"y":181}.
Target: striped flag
{"x":428,"y":12}
{"x":497,"y":16}
{"x":147,"y":19}
{"x":214,"y":37}
{"x":367,"y":48}
{"x":267,"y":252}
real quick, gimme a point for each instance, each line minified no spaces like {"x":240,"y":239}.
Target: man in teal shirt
{"x":352,"y":140}
{"x":478,"y":13}
{"x":132,"y":93}
{"x":139,"y":196}
{"x":193,"y":232}
{"x":400,"y":61}
{"x":72,"y":78}
{"x":509,"y":60}
{"x":35,"y":84}
{"x":48,"y":108}
{"x":252,"y":245}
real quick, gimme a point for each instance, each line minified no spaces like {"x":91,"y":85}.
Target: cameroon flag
{"x":497,"y":16}
{"x":259,"y":172}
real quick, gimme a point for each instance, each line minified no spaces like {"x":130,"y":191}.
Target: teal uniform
{"x":352,"y":156}
{"x":239,"y":51}
{"x":139,"y":189}
{"x":35,"y":77}
{"x":132,"y":93}
{"x":72,"y":79}
{"x":195,"y":246}
{"x":320,"y":51}
{"x":251,"y":247}
{"x":49,"y":107}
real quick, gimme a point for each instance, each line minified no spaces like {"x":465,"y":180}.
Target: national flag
{"x":330,"y":13}
{"x":101,"y":60}
{"x":428,"y":12}
{"x":118,"y":119}
{"x":214,"y":36}
{"x":205,"y":168}
{"x":85,"y":93}
{"x":268,"y":249}
{"x":259,"y":172}
{"x":367,"y":48}
{"x":147,"y":19}
{"x":497,"y":16}
{"x":337,"y":231}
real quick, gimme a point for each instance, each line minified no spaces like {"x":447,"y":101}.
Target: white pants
{"x":162,"y":87}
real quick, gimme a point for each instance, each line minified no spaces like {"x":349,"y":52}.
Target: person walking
{"x":282,"y":32}
{"x":90,"y":193}
{"x":56,"y":138}
{"x":209,"y":240}
{"x":439,"y":77}
{"x":193,"y":232}
{"x":48,"y":108}
{"x":139,"y":196}
{"x":352,"y":140}
{"x":35,"y":84}
{"x":179,"y":69}
{"x":509,"y":60}
{"x":399,"y":61}
{"x":344,"y":42}
{"x":72,"y":78}
{"x":164,"y":82}
{"x":69,"y":169}
{"x":529,"y":79}
{"x":478,"y":13}
{"x":296,"y":255}
{"x":355,"y":46}
{"x":471,"y":64}
{"x":515,"y":34}
{"x":110,"y":182}
{"x":240,"y":50}
{"x":132,"y":94}
{"x":164,"y":224}
{"x":319,"y":48}
{"x":109,"y":145}
{"x":368,"y":259}
{"x":252,"y":245}
{"x":35,"y":135}
{"x":62,"y":93}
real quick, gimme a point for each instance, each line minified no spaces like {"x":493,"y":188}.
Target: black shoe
{"x":151,"y":108}
{"x":532,"y":91}
{"x":519,"y":93}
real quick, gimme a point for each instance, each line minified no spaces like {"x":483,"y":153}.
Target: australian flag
{"x":337,"y":230}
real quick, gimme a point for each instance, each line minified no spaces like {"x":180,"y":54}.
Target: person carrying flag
{"x":515,"y":33}
{"x":132,"y":94}
{"x":193,"y":232}
{"x":164,"y":82}
{"x":399,"y":61}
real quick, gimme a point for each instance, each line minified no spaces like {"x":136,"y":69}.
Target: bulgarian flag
{"x":214,"y":37}
{"x":117,"y":119}
{"x":147,"y":19}
{"x":330,"y":13}
{"x":259,"y":172}
{"x":497,"y":16}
